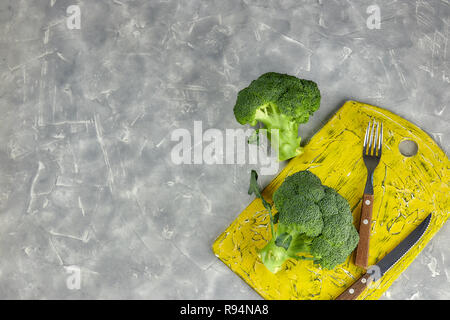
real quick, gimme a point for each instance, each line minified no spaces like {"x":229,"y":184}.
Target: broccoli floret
{"x":282,"y":102}
{"x":328,"y":254}
{"x":314,"y":222}
{"x":304,"y":216}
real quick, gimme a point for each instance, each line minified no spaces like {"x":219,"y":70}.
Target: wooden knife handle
{"x":362,"y":252}
{"x":356,"y":289}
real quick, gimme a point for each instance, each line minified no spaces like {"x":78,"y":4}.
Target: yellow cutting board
{"x":406,"y":190}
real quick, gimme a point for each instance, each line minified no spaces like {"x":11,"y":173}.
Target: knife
{"x":375,"y":272}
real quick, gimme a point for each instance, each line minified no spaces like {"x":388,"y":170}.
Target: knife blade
{"x":375,"y":272}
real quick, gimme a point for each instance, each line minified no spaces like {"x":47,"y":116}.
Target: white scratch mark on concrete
{"x":46,"y":35}
{"x":84,"y":238}
{"x":397,"y":68}
{"x":43,"y":55}
{"x":104,"y":151}
{"x":61,"y":262}
{"x":41,"y":167}
{"x":80,"y":205}
{"x":61,"y":56}
{"x":160,"y":143}
{"x":440,"y":111}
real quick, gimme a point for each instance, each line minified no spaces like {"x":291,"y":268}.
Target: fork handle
{"x":362,"y":252}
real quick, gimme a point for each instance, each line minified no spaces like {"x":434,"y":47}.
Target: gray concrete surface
{"x":86,"y":115}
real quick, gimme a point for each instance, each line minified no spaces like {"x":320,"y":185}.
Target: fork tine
{"x":376,"y":140}
{"x":366,"y":139}
{"x":380,"y":140}
{"x":372,"y":132}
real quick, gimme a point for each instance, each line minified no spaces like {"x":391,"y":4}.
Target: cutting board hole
{"x":408,"y":148}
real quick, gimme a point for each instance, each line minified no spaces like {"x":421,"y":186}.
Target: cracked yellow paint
{"x":406,"y":190}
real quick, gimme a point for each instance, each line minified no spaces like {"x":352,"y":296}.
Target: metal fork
{"x":373,"y":143}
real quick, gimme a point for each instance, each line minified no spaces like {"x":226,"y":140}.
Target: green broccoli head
{"x":314,"y":222}
{"x":329,"y":254}
{"x":304,"y":216}
{"x":281,"y":102}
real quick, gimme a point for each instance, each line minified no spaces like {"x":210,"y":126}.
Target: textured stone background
{"x":86,"y":116}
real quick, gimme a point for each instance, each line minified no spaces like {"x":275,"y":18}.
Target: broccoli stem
{"x":287,"y":140}
{"x":273,"y":256}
